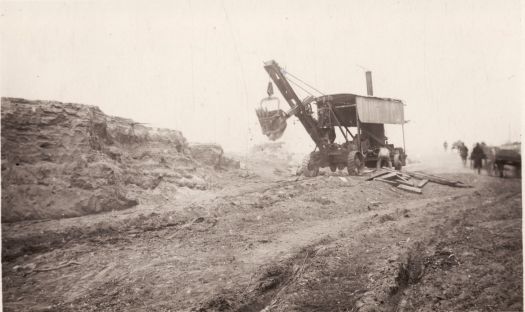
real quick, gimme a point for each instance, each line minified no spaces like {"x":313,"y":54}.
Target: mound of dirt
{"x":65,"y":160}
{"x":212,"y":155}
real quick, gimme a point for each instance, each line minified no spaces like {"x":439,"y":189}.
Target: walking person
{"x":463,"y":153}
{"x":477,"y":157}
{"x":445,"y":146}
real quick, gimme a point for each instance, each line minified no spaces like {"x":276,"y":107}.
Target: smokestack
{"x":369,"y":88}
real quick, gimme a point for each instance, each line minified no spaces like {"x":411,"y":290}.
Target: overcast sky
{"x":197,"y":66}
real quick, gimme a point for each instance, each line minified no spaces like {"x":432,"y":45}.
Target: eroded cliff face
{"x":64,"y":160}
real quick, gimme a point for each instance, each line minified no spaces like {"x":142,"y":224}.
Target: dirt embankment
{"x":65,"y":160}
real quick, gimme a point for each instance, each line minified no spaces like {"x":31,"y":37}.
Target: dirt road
{"x":330,"y":243}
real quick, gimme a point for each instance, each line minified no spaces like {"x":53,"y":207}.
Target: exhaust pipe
{"x":369,"y":87}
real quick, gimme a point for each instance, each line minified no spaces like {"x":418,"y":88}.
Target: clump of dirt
{"x":65,"y":160}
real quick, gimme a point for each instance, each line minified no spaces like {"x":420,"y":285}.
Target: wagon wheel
{"x":355,"y":163}
{"x":333,"y":167}
{"x":308,"y":167}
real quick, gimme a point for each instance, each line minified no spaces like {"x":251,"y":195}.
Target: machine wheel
{"x":355,"y":163}
{"x":397,"y":162}
{"x":308,"y":169}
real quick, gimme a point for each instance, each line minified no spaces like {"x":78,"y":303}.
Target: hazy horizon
{"x":197,"y":66}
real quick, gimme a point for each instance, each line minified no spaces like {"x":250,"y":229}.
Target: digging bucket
{"x":272,"y":121}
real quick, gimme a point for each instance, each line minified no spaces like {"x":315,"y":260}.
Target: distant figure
{"x":487,"y":150}
{"x":456,"y":145}
{"x":384,"y":155}
{"x":445,"y":145}
{"x":477,"y":157}
{"x":463,"y":152}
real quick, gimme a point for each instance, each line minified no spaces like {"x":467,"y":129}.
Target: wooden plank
{"x":440,"y":180}
{"x":422,"y":183}
{"x":407,"y":176}
{"x":431,"y":178}
{"x":390,"y":176}
{"x":378,"y":174}
{"x":410,"y":189}
{"x":387,"y":181}
{"x":403,"y":178}
{"x":400,"y":173}
{"x":405,"y":183}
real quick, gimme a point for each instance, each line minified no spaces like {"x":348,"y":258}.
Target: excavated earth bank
{"x":65,"y":160}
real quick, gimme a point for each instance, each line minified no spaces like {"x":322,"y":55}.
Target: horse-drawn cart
{"x":508,"y":154}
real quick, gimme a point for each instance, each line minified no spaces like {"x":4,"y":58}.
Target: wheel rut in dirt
{"x":400,"y":251}
{"x":309,"y":245}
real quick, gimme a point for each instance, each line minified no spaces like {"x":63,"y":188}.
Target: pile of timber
{"x":411,"y":181}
